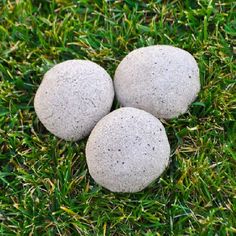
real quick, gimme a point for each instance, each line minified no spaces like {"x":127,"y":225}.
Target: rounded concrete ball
{"x":127,"y":150}
{"x":161,"y":79}
{"x":73,"y":96}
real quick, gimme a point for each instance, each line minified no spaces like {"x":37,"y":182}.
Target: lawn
{"x":45,"y":187}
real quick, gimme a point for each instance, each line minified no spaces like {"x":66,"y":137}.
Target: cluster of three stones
{"x":128,"y":148}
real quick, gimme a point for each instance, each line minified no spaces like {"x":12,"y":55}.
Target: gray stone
{"x":73,"y":96}
{"x":127,"y":150}
{"x":161,"y":79}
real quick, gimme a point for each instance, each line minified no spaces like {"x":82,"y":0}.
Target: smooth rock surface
{"x":73,"y":96}
{"x":127,"y":150}
{"x":161,"y":79}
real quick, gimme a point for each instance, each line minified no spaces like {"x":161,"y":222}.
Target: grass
{"x":45,"y":187}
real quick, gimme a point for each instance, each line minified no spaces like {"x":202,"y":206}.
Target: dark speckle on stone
{"x":160,"y":129}
{"x":123,"y":162}
{"x":109,"y":149}
{"x":119,"y":150}
{"x":153,"y":148}
{"x":189,"y":76}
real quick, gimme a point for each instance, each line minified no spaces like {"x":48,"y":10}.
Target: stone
{"x":162,"y":80}
{"x":73,"y":96}
{"x":127,"y":150}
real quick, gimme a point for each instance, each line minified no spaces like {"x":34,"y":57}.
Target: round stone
{"x":73,"y":96}
{"x":161,"y":79}
{"x":127,"y":150}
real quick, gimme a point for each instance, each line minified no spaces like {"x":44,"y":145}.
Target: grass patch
{"x":45,"y":188}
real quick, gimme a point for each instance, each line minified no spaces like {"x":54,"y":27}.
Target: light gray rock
{"x":73,"y":96}
{"x":161,"y":79}
{"x":127,"y":150}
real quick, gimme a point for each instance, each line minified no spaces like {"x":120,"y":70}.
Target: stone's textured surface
{"x":127,"y":150}
{"x":73,"y":96}
{"x":162,"y":80}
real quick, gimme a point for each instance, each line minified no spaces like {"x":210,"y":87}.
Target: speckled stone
{"x":161,"y":79}
{"x":73,"y":96}
{"x":127,"y":150}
